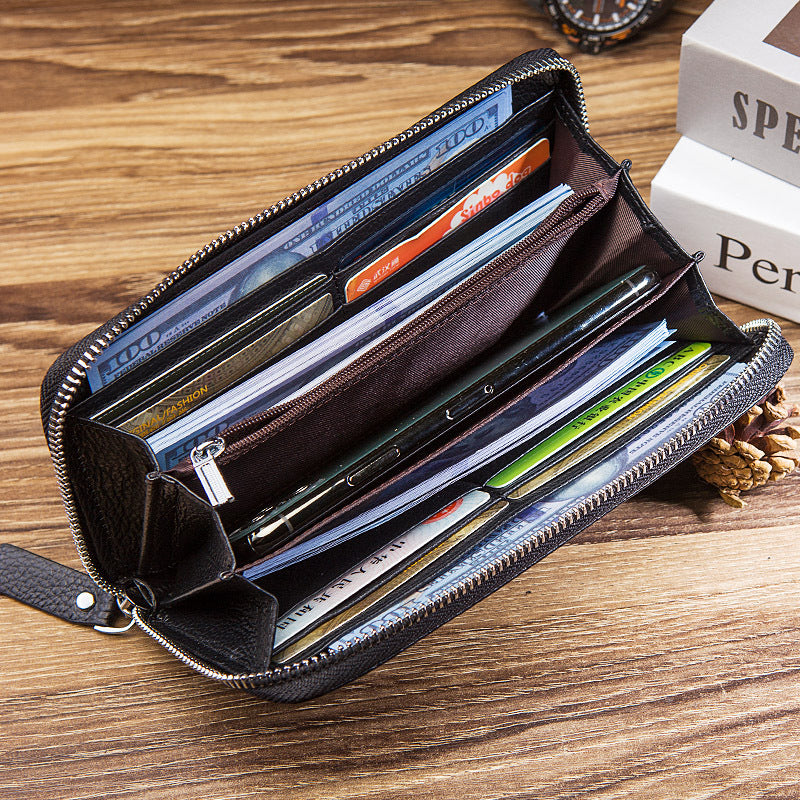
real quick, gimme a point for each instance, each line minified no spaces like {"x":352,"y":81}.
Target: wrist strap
{"x":54,"y":588}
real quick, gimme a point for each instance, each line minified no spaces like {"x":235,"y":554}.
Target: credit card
{"x":315,"y":639}
{"x":600,"y":413}
{"x":521,"y":530}
{"x":692,"y":381}
{"x":490,"y":189}
{"x":380,"y":563}
{"x":307,"y":235}
{"x":226,"y":372}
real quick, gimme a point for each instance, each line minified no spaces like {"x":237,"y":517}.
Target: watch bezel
{"x":591,"y":40}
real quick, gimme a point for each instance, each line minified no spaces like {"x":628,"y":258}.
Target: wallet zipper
{"x":76,"y":375}
{"x":575,"y":514}
{"x":239,"y":438}
{"x":205,"y":466}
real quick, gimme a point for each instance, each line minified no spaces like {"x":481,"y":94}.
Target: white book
{"x":746,"y":221}
{"x":740,"y":83}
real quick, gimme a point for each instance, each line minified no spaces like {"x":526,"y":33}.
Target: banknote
{"x":332,"y":351}
{"x":305,"y":236}
{"x":523,"y":527}
{"x":226,"y":372}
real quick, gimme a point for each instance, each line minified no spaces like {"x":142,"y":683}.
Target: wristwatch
{"x":596,"y":24}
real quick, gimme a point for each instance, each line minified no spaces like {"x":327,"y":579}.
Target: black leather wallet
{"x":155,"y":536}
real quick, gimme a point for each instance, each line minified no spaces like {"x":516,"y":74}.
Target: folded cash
{"x":307,"y":235}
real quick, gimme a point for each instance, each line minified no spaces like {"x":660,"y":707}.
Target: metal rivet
{"x":84,"y":601}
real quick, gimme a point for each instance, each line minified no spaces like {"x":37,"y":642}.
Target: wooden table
{"x":656,"y":656}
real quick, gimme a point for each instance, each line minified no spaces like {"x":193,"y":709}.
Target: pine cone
{"x":762,"y":445}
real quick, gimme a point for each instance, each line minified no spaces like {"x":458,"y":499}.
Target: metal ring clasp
{"x":124,"y":607}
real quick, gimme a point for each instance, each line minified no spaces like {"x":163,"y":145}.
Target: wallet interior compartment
{"x":312,"y":575}
{"x":521,"y":524}
{"x":270,"y":454}
{"x":228,"y":332}
{"x":151,"y":535}
{"x":311,"y":272}
{"x":670,"y":301}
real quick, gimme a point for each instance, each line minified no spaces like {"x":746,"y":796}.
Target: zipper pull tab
{"x":208,"y":472}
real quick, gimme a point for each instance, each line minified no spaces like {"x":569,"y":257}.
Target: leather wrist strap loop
{"x":54,"y":588}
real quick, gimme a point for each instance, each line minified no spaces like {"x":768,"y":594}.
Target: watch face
{"x":595,"y":24}
{"x":603,"y":16}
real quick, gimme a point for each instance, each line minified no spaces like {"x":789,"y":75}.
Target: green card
{"x":601,"y":412}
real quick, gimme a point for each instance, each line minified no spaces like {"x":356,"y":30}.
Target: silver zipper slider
{"x":208,"y":472}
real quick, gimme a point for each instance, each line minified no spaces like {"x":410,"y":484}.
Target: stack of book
{"x":731,"y":186}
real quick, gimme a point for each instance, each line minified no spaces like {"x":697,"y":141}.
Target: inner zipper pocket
{"x":453,"y":309}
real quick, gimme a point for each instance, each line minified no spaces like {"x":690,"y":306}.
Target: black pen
{"x":525,"y":359}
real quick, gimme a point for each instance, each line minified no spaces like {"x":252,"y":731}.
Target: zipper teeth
{"x":501,"y":563}
{"x":77,"y":373}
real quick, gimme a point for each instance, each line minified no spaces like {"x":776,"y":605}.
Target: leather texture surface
{"x":52,"y":587}
{"x":229,"y":625}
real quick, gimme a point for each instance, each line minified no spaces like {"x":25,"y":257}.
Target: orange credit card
{"x":490,"y":189}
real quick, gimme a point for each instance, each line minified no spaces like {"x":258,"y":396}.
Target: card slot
{"x":295,"y":582}
{"x":435,"y":192}
{"x":170,"y":365}
{"x":493,"y":214}
{"x":370,"y":584}
{"x":525,"y":519}
{"x":565,"y":468}
{"x":290,"y":441}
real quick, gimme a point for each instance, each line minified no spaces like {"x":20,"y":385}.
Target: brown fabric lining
{"x":307,"y":438}
{"x":361,"y":504}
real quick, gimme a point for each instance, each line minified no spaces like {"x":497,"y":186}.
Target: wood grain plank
{"x":655,"y":656}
